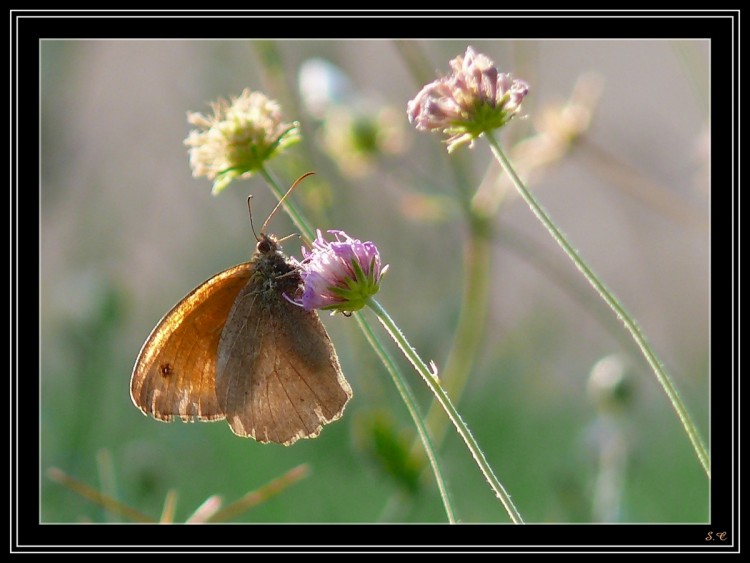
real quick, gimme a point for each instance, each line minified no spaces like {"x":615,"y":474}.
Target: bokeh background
{"x":127,"y":232}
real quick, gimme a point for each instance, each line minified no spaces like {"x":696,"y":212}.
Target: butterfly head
{"x":267,"y":245}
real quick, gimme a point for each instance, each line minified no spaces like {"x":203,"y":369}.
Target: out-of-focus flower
{"x":355,"y":138}
{"x":355,"y":128}
{"x":389,"y":447}
{"x":238,"y":138}
{"x":340,"y":275}
{"x":559,"y":127}
{"x":475,"y":99}
{"x":323,"y":85}
{"x":610,"y":386}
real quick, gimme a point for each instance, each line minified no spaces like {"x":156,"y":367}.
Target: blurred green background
{"x":127,"y":232}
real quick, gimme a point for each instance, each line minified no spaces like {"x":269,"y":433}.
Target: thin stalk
{"x":107,"y":478}
{"x":411,"y":404}
{"x":614,"y":304}
{"x":469,"y":329}
{"x":448,"y":407}
{"x":261,"y":495}
{"x":95,"y":496}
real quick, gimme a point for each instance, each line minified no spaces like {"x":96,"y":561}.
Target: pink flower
{"x":474,"y":99}
{"x":340,"y":275}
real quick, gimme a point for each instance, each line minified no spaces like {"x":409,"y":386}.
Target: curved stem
{"x":614,"y":304}
{"x":411,"y":404}
{"x":448,"y":407}
{"x":469,"y":331}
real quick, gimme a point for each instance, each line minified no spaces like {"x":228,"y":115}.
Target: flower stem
{"x":411,"y":404}
{"x":614,"y":304}
{"x":448,"y":407}
{"x":469,"y":331}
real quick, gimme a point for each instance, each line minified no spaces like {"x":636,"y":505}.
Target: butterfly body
{"x":237,"y":348}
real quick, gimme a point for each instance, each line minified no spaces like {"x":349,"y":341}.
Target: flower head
{"x":238,"y":138}
{"x":610,"y":385}
{"x":340,"y":275}
{"x":356,"y":137}
{"x":474,"y":99}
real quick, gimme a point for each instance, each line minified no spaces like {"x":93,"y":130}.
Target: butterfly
{"x":238,"y":348}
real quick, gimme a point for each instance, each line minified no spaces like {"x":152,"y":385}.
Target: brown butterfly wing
{"x":278,"y":378}
{"x":175,"y":373}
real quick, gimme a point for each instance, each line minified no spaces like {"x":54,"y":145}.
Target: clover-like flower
{"x":357,"y":137}
{"x":238,"y":138}
{"x":340,"y":275}
{"x":475,"y":99}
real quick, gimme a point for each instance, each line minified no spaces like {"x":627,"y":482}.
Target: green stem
{"x":448,"y":407}
{"x":614,"y":304}
{"x":411,"y":404}
{"x":469,"y":329}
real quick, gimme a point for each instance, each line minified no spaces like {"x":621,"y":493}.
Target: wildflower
{"x":356,"y":137}
{"x":356,"y":129}
{"x":475,"y":99}
{"x":340,"y":275}
{"x":558,"y":127}
{"x":239,"y":137}
{"x":610,"y":386}
{"x":323,"y":85}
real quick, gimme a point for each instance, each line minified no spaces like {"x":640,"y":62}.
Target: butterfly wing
{"x":278,"y":378}
{"x":175,"y":373}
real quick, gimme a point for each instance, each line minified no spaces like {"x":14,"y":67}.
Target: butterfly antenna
{"x":250,"y":213}
{"x":283,"y":199}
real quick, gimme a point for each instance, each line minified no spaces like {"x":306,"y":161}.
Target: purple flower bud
{"x":340,"y":275}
